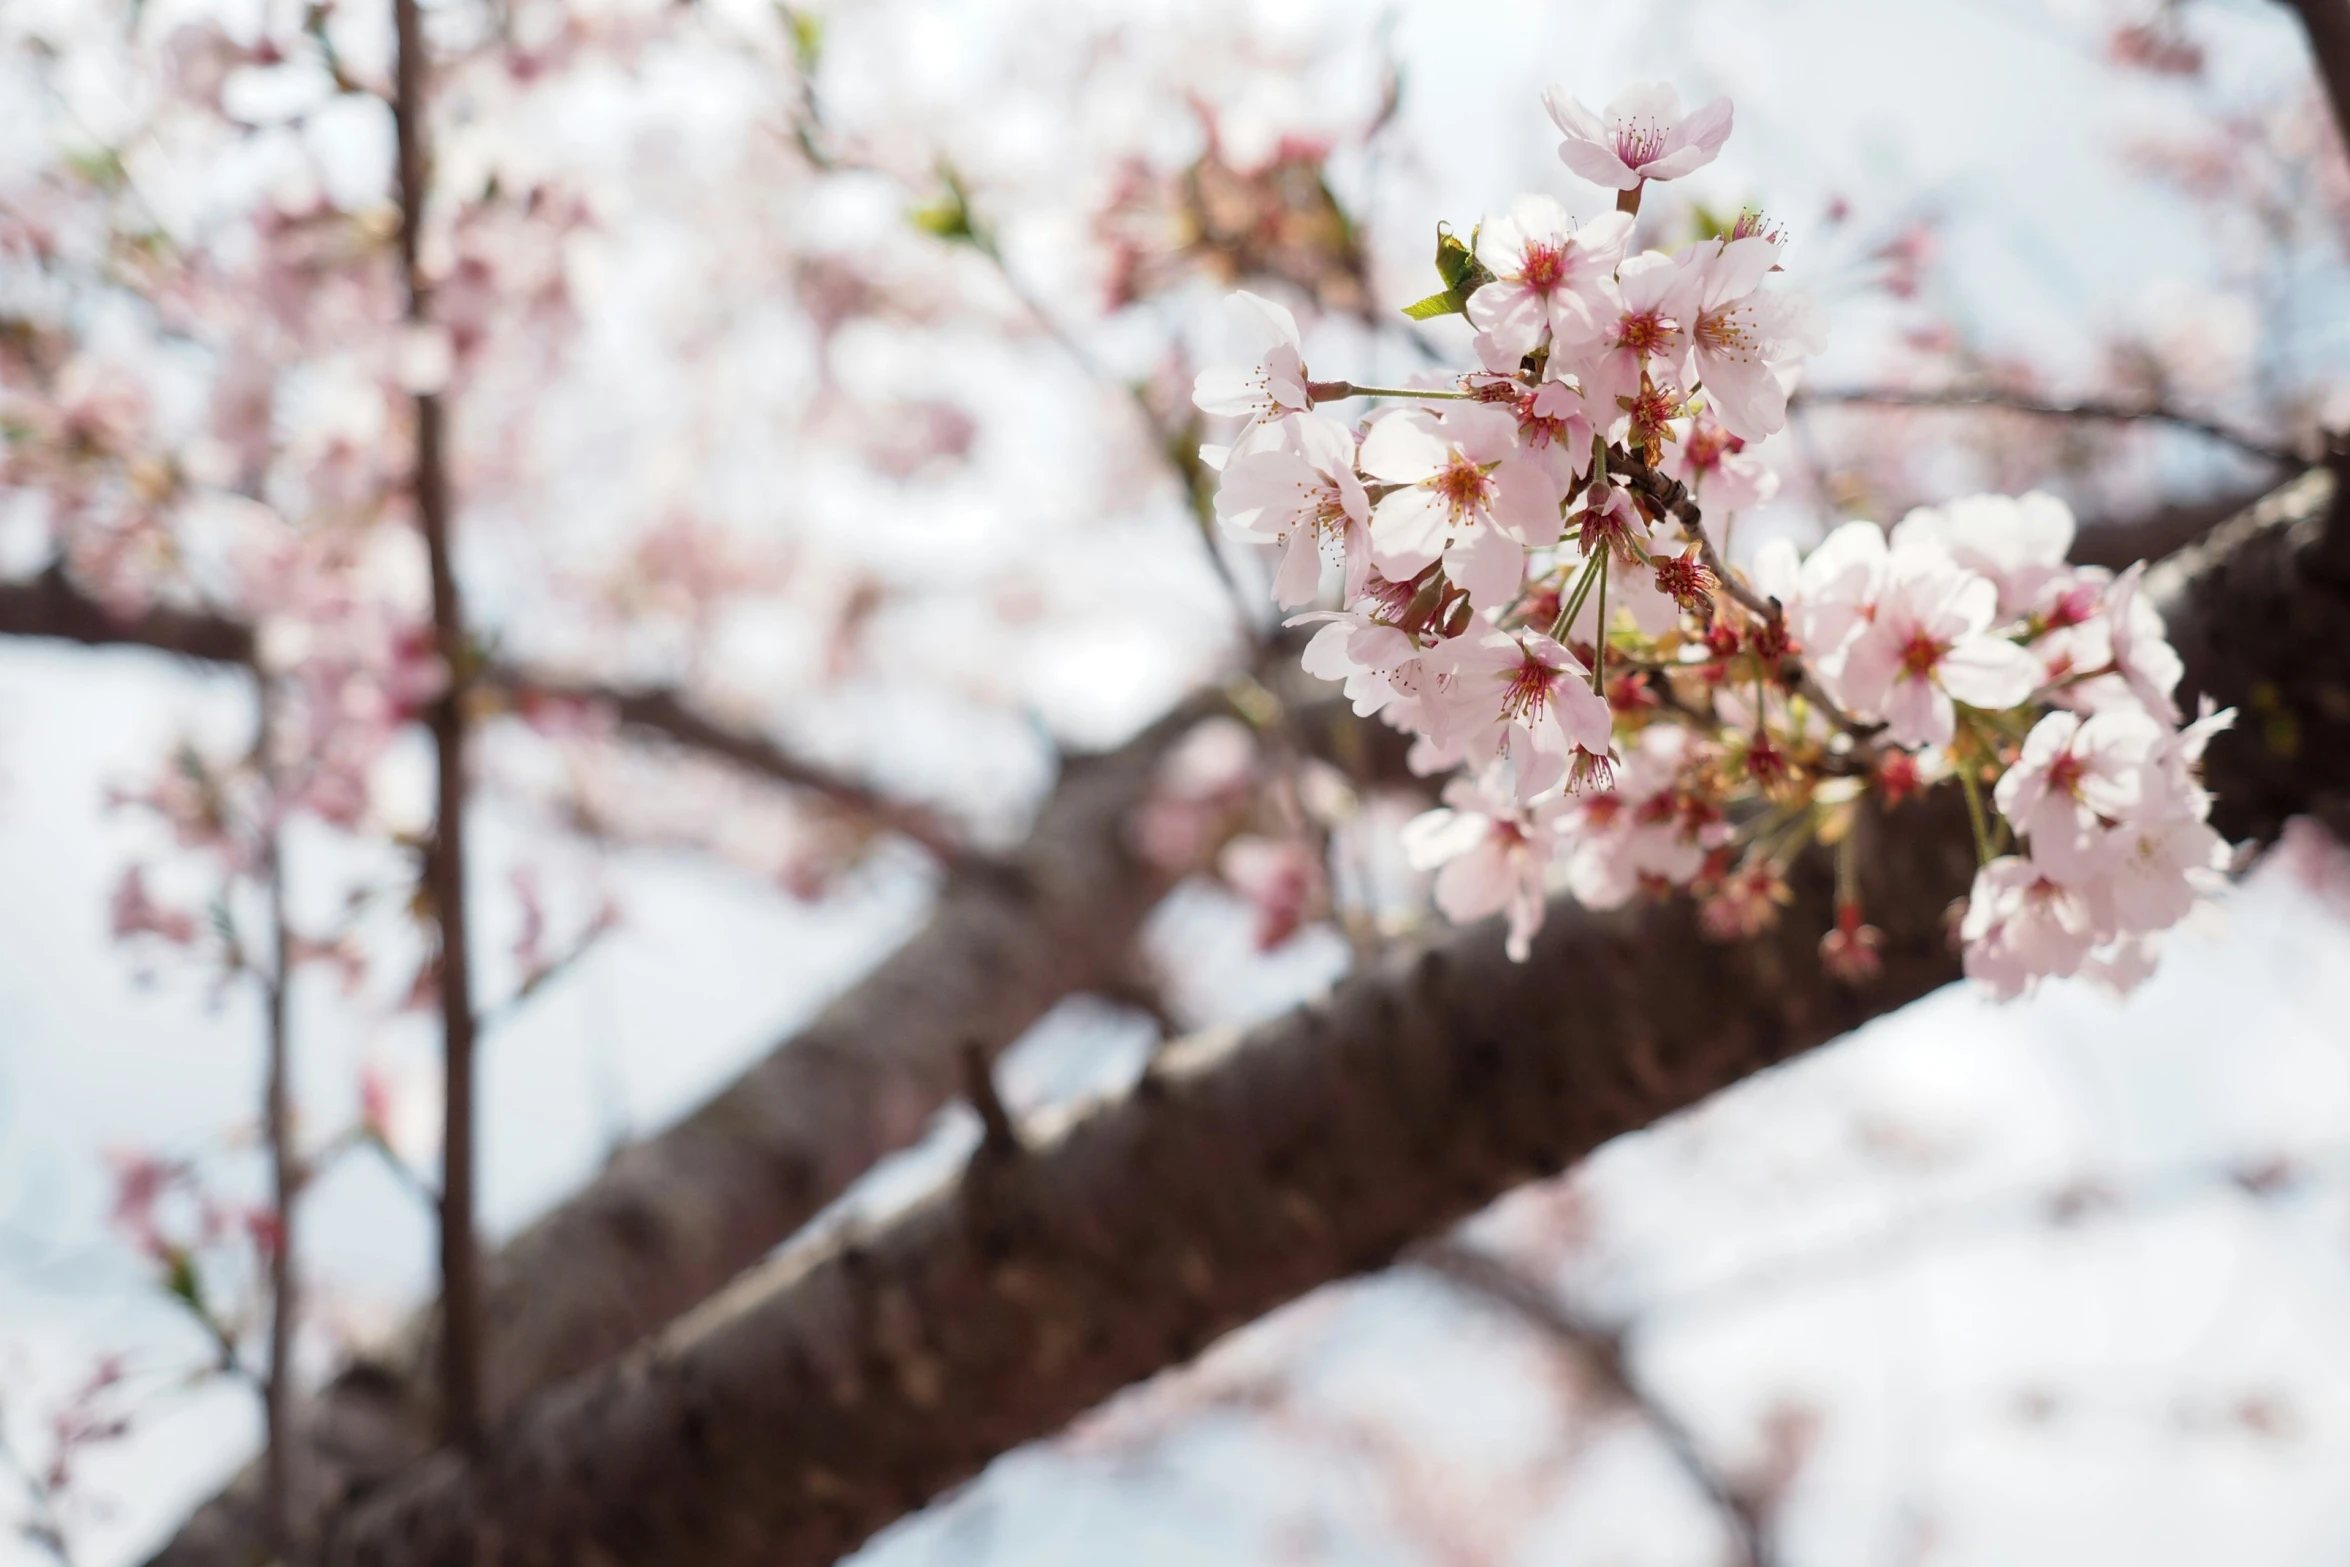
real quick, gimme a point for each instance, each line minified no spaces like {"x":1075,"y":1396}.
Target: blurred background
{"x":829,"y":370}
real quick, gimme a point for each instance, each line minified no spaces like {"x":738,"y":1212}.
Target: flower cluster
{"x":1527,"y":587}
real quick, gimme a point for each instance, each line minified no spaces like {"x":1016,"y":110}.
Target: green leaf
{"x":1447,"y":303}
{"x":181,"y":1280}
{"x":949,"y":215}
{"x":1463,"y":274}
{"x":807,"y":37}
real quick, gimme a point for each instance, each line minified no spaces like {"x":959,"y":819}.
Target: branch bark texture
{"x":843,"y":1382}
{"x":674,"y":1217}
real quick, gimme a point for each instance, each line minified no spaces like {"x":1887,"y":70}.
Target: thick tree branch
{"x":674,"y":1217}
{"x":844,"y":1381}
{"x":50,"y":606}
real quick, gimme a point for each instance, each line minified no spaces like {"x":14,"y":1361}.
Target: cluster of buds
{"x":1527,"y":587}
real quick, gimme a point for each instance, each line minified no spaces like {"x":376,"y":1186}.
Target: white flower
{"x":1743,"y":342}
{"x":1523,"y":696}
{"x":1828,"y":595}
{"x":2076,"y":776}
{"x":1635,"y":834}
{"x":1490,"y":855}
{"x":1465,"y":491}
{"x":2018,"y":541}
{"x":1292,"y":484}
{"x":1377,"y":662}
{"x":1636,"y":327}
{"x":1547,"y":273}
{"x":2155,"y":869}
{"x":1927,"y":645}
{"x":1643,"y":137}
{"x":2022,"y":924}
{"x":2141,"y":652}
{"x":1273,"y":386}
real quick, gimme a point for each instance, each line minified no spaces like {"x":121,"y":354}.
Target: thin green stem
{"x":1574,"y":604}
{"x":1974,"y":811}
{"x":1599,"y":633}
{"x":1335,"y":391}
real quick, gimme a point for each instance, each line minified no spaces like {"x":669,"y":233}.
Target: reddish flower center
{"x":1638,"y":142}
{"x":1527,"y":694}
{"x":1920,"y":654}
{"x":1645,"y":331}
{"x":2065,"y":773}
{"x":1545,"y":267}
{"x":1464,"y":486}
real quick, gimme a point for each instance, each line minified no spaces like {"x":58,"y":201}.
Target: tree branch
{"x":674,"y":1217}
{"x":1601,"y":1350}
{"x":2095,"y":410}
{"x":50,"y":606}
{"x":846,"y":1380}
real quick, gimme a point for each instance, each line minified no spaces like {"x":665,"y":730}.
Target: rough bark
{"x":844,"y":1382}
{"x":672,"y":1218}
{"x":49,"y":605}
{"x":847,"y":1380}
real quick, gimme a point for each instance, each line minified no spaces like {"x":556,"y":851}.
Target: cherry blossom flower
{"x":1720,"y":472}
{"x":1742,"y":340}
{"x":1491,"y":855}
{"x":1547,"y":273}
{"x":1375,"y":661}
{"x":1637,"y":834}
{"x":1292,"y":484}
{"x":1633,"y":334}
{"x":1526,"y":697}
{"x":1272,"y":387}
{"x":2020,"y":924}
{"x":2155,"y":869}
{"x":1928,"y":645}
{"x":2142,"y":653}
{"x":1465,"y":492}
{"x":2018,"y":541}
{"x":1643,"y":136}
{"x":2073,"y":778}
{"x":1830,"y":595}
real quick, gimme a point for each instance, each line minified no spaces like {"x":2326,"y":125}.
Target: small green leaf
{"x":949,"y":215}
{"x":1457,"y":263}
{"x":807,"y":37}
{"x":181,"y":1280}
{"x":1447,"y":303}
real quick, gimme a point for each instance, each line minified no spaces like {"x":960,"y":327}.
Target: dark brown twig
{"x":460,"y":1342}
{"x":1601,"y":1350}
{"x":2092,"y":409}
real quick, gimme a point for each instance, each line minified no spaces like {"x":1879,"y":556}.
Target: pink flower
{"x":1830,"y":595}
{"x":1465,"y":491}
{"x":1292,"y":484}
{"x":2142,"y":654}
{"x":1490,"y":854}
{"x":1927,"y":646}
{"x":1741,"y":339}
{"x":1547,"y":274}
{"x":1279,"y":878}
{"x":2018,"y":541}
{"x":1716,"y":467}
{"x":1523,"y":696}
{"x":1377,"y":662}
{"x":2155,"y":869}
{"x":2022,"y":924}
{"x":1636,"y":834}
{"x":2074,"y":777}
{"x":1643,"y":136}
{"x":1273,"y":386}
{"x":1635,"y":329}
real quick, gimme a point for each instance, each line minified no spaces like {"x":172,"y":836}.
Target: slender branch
{"x":285,"y":1176}
{"x":2095,"y":410}
{"x":1490,"y":1279}
{"x":1339,"y":391}
{"x":460,"y":1347}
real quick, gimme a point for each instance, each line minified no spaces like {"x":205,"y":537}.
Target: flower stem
{"x":1574,"y":604}
{"x":1974,"y":811}
{"x":1335,"y":391}
{"x":1599,"y":633}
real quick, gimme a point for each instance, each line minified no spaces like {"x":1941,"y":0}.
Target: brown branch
{"x":672,"y":1218}
{"x":658,"y":711}
{"x":460,"y":1337}
{"x":279,"y":1490}
{"x":50,"y":606}
{"x":849,"y":1378}
{"x":1600,"y":1350}
{"x":2094,"y":410}
{"x":2328,"y":24}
